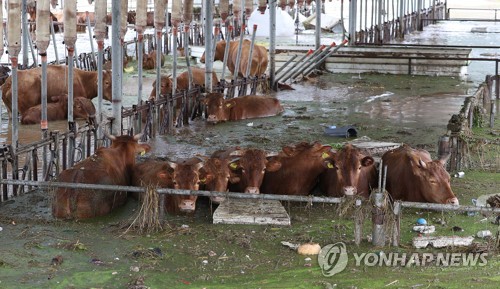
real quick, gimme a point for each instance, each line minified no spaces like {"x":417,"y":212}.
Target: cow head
{"x":107,"y":92}
{"x":83,"y":108}
{"x":131,"y":15}
{"x":166,"y":86}
{"x":216,"y":175}
{"x":348,"y":166}
{"x":186,"y":176}
{"x":217,"y":108}
{"x":251,"y":166}
{"x":434,"y":181}
{"x":129,"y":143}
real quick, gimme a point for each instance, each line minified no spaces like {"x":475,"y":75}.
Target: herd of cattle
{"x":299,"y":169}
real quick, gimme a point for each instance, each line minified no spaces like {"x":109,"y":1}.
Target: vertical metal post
{"x":240,"y":45}
{"x":352,"y":21}
{"x":24,"y":21}
{"x":209,"y":57}
{"x":272,"y":43}
{"x":229,"y":29}
{"x":44,"y":125}
{"x":318,"y":23}
{"x":116,"y":64}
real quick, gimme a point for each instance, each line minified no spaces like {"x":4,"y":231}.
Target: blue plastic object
{"x":421,"y":221}
{"x":344,"y":131}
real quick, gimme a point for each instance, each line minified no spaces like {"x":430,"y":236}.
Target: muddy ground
{"x":39,"y":252}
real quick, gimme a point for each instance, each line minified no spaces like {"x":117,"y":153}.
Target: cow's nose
{"x":217,"y":200}
{"x":187,"y":206}
{"x":349,"y":191}
{"x":453,"y":201}
{"x":252,"y":190}
{"x":212,"y":118}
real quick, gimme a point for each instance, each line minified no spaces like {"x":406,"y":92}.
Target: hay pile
{"x":147,"y":219}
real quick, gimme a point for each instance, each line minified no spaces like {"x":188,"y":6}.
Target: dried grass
{"x":147,"y":219}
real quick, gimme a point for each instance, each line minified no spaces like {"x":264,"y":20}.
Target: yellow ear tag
{"x":203,"y":180}
{"x":228,"y":104}
{"x":143,"y":152}
{"x":325,"y":155}
{"x":233,"y":166}
{"x":330,"y":166}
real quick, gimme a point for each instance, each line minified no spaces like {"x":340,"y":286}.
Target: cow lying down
{"x":244,"y":107}
{"x":83,"y":108}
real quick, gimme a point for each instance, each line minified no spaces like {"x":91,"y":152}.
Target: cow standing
{"x":29,"y":86}
{"x":108,"y":166}
{"x":349,"y":173}
{"x":301,"y":166}
{"x":244,"y":107}
{"x":258,"y":63}
{"x":413,"y":176}
{"x":182,"y":174}
{"x":166,"y":83}
{"x":83,"y":108}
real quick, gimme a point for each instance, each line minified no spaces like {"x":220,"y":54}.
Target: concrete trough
{"x":251,"y":212}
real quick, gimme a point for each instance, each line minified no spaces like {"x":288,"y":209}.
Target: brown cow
{"x":149,"y":60}
{"x":108,"y":166}
{"x":244,"y":107}
{"x":250,"y":167}
{"x":259,"y":57}
{"x":83,"y":108}
{"x":183,"y":174}
{"x":166,"y":83}
{"x":29,"y":86}
{"x":31,"y":10}
{"x":216,"y":175}
{"x":4,"y":73}
{"x":301,"y":166}
{"x":349,"y":173}
{"x":413,"y":176}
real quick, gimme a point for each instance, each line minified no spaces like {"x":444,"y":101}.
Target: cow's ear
{"x":367,"y":161}
{"x":273,"y":165}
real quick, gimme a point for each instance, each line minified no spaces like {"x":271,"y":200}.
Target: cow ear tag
{"x":228,"y":105}
{"x":324,"y":155}
{"x":143,"y":152}
{"x":330,"y":166}
{"x":233,"y":166}
{"x":203,"y":180}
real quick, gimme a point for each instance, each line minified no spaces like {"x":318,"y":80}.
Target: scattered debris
{"x":441,"y":242}
{"x":212,"y":254}
{"x":424,"y":229}
{"x":57,"y":260}
{"x":138,"y":284}
{"x":494,"y":201}
{"x":290,"y":245}
{"x":421,"y":221}
{"x":484,"y":234}
{"x":459,"y":175}
{"x":134,"y":268}
{"x":309,"y":249}
{"x":96,"y":262}
{"x":148,"y":253}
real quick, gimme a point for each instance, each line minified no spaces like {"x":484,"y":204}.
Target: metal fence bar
{"x":313,"y":199}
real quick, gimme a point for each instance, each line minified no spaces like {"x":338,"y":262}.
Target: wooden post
{"x":443,"y":146}
{"x":378,"y":234}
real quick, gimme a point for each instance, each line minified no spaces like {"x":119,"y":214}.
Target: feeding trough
{"x":251,"y":212}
